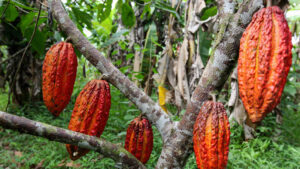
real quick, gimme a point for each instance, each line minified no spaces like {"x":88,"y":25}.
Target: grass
{"x":274,"y":147}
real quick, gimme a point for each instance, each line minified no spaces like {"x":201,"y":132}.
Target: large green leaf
{"x":114,"y":38}
{"x":83,"y":17}
{"x":16,"y":3}
{"x":150,"y":38}
{"x":104,"y":27}
{"x":11,"y":13}
{"x":26,"y":21}
{"x":104,"y":9}
{"x":38,"y":41}
{"x":205,"y":40}
{"x":168,"y":8}
{"x":127,"y":15}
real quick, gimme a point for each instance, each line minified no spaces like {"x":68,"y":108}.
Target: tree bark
{"x":117,"y":153}
{"x":224,"y":55}
{"x":143,"y":102}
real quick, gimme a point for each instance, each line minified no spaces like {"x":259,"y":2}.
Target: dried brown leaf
{"x":73,"y":164}
{"x":18,"y":153}
{"x":40,"y":164}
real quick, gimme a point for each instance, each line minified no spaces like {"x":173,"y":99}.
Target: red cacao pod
{"x":264,"y":61}
{"x":90,"y":113}
{"x":211,"y":136}
{"x":139,"y":139}
{"x":59,"y":73}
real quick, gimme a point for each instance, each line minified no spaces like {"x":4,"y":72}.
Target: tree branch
{"x":143,"y":102}
{"x":117,"y":153}
{"x":221,"y":63}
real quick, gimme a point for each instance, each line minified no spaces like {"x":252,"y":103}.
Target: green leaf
{"x":168,"y":8}
{"x":114,"y":38}
{"x":151,"y":36}
{"x":209,"y":12}
{"x":290,"y":89}
{"x":38,"y":41}
{"x":57,"y":36}
{"x":16,"y":3}
{"x":114,"y":52}
{"x":105,"y":27}
{"x":118,"y":62}
{"x":26,"y":21}
{"x":127,"y":15}
{"x":83,"y":17}
{"x":147,"y":10}
{"x":139,"y":76}
{"x":11,"y":13}
{"x":129,"y":116}
{"x":124,"y":69}
{"x":129,"y":56}
{"x":204,"y":45}
{"x":104,"y":9}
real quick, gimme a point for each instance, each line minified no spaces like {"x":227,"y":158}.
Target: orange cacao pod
{"x":90,"y":113}
{"x":211,"y":136}
{"x":59,"y":73}
{"x":139,"y":139}
{"x":264,"y":61}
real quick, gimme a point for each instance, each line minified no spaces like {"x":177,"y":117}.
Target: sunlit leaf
{"x":83,"y":17}
{"x":104,"y":9}
{"x":114,"y":38}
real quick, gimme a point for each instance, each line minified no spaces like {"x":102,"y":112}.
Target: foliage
{"x":276,"y":146}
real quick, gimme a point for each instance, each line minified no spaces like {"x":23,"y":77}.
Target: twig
{"x":5,"y":9}
{"x":22,"y":58}
{"x":22,"y":10}
{"x":14,"y":55}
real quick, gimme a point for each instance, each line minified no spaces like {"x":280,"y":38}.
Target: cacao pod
{"x":264,"y":61}
{"x":211,"y":136}
{"x":90,"y":113}
{"x":59,"y":73}
{"x":139,"y":139}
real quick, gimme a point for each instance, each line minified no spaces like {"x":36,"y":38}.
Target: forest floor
{"x":275,"y":146}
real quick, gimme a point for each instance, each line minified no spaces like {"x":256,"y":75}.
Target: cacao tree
{"x":190,"y":73}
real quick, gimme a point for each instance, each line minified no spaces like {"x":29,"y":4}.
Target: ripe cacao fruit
{"x":59,"y":73}
{"x":90,"y":113}
{"x":211,"y":136}
{"x":264,"y":61}
{"x":139,"y":139}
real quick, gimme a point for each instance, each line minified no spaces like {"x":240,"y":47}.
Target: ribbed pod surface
{"x":59,"y":73}
{"x":264,"y":61}
{"x":211,"y":136}
{"x":139,"y":139}
{"x":90,"y":113}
